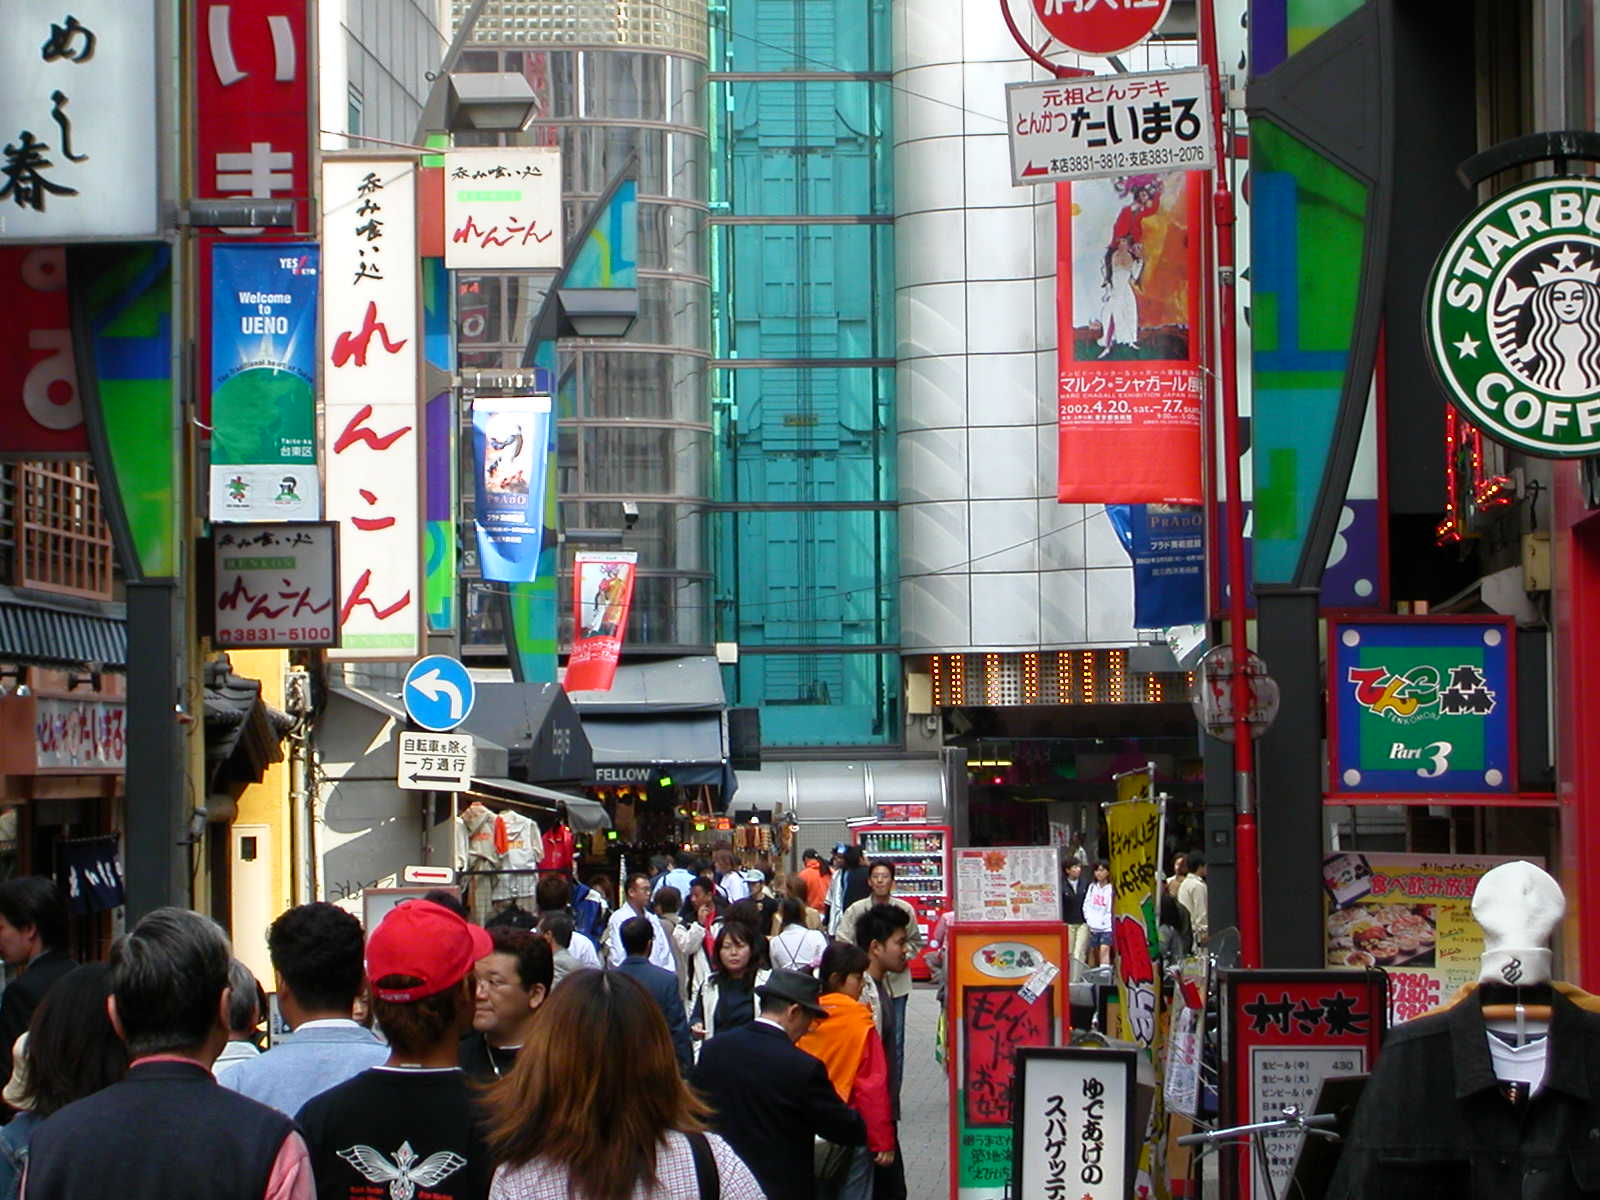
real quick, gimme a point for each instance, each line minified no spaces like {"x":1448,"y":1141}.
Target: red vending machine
{"x":920,"y":853}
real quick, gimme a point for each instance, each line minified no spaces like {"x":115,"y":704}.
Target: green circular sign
{"x":1513,"y":318}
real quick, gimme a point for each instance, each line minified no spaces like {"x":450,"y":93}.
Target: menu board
{"x":1008,"y":883}
{"x":1410,"y":914}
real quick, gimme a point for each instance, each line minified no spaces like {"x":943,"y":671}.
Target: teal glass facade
{"x":804,"y":539}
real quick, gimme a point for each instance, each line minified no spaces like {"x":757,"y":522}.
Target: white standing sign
{"x":436,"y":762}
{"x":78,"y":145}
{"x":371,"y":446}
{"x":1073,"y":1123}
{"x":502,"y":208}
{"x":1109,"y":125}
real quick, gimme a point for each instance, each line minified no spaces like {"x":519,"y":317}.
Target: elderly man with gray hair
{"x":244,"y":1014}
{"x":168,"y":1130}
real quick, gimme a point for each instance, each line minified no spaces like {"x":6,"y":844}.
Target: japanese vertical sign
{"x":502,"y":208}
{"x":277,"y":585}
{"x":371,"y":456}
{"x":510,"y":439}
{"x":41,"y":414}
{"x":990,"y":1017}
{"x":263,"y":382}
{"x":1073,"y":1124}
{"x":1422,"y":705}
{"x":1129,"y":339}
{"x":78,"y":148}
{"x":1284,"y":1032}
{"x":1410,"y":914}
{"x":602,"y":592}
{"x":1134,"y":832}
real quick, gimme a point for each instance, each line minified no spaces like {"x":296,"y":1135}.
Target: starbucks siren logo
{"x":1513,"y":317}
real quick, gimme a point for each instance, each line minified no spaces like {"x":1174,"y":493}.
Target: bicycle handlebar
{"x":1315,"y":1122}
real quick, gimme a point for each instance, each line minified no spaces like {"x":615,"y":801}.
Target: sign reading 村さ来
{"x":1512,"y":317}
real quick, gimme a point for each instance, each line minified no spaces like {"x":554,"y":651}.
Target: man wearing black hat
{"x":771,"y":1099}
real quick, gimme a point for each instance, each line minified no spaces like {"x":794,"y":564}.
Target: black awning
{"x":244,"y":735}
{"x":65,"y":635}
{"x":536,"y":723}
{"x":687,"y":747}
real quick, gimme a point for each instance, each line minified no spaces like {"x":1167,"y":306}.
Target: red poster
{"x":1129,"y":329}
{"x":996,"y":1021}
{"x":254,"y":127}
{"x":40,"y":412}
{"x":602,"y":592}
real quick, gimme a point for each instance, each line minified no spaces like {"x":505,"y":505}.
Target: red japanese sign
{"x":1284,"y":1033}
{"x":1100,"y":27}
{"x":602,"y":590}
{"x":997,"y":1020}
{"x":40,"y":413}
{"x":254,"y":132}
{"x":1129,"y":339}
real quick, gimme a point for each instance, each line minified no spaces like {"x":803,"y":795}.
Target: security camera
{"x":630,"y":513}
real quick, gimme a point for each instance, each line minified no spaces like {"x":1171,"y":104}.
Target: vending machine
{"x":921,"y":856}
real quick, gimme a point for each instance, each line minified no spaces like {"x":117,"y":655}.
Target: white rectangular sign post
{"x":1072,"y":1123}
{"x":502,"y":208}
{"x":1109,"y":125}
{"x":436,"y":762}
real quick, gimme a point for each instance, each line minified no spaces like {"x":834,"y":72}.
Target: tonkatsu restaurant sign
{"x":1513,"y":318}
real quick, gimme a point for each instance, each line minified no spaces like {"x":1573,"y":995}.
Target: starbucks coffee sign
{"x":1513,"y":318}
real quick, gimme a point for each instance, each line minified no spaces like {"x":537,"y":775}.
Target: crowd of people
{"x":1089,"y":901}
{"x":710,"y":1040}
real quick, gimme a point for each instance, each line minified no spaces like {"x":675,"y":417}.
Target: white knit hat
{"x":1518,"y":906}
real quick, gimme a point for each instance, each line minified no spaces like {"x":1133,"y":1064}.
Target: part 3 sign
{"x":1513,"y":318}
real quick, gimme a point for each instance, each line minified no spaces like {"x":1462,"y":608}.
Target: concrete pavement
{"x":924,"y":1102}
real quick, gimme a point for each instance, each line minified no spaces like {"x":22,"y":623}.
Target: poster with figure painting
{"x":602,"y":590}
{"x":1129,"y":336}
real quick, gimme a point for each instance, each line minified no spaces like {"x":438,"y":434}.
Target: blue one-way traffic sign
{"x":438,"y":692}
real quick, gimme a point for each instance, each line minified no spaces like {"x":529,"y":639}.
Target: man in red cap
{"x":410,"y":1121}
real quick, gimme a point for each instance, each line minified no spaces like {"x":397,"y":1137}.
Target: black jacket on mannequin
{"x":1434,"y":1122}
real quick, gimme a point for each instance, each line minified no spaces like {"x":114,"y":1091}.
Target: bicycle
{"x":1292,"y":1121}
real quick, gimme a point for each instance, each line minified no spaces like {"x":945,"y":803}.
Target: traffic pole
{"x":1247,"y":861}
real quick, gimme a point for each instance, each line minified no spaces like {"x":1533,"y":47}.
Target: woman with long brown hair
{"x":595,"y":1108}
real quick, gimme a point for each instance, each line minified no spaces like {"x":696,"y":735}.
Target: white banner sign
{"x":80,"y":735}
{"x":371,"y":447}
{"x":502,"y":208}
{"x":1109,"y":125}
{"x":276,"y":584}
{"x":78,"y":152}
{"x":1073,"y":1123}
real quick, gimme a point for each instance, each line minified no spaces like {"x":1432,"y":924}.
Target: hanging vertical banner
{"x":510,"y":439}
{"x":263,"y":382}
{"x":1167,"y":545}
{"x":602,"y":590}
{"x":1128,"y":309}
{"x":370,"y":451}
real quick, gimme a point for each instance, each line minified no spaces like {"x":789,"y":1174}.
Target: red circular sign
{"x":1101,"y":27}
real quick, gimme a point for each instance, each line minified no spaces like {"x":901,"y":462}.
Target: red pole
{"x":1246,"y":851}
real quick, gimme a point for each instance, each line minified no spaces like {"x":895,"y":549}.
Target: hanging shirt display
{"x":558,"y":849}
{"x":519,"y":847}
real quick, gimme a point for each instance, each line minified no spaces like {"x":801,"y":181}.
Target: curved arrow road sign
{"x":438,"y":692}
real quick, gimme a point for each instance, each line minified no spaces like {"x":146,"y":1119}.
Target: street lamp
{"x":495,"y":101}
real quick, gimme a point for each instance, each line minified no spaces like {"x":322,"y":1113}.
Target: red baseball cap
{"x":425,"y":941}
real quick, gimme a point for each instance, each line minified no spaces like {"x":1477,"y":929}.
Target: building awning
{"x":583,"y":814}
{"x":68,"y":634}
{"x":687,"y":747}
{"x":539,"y":728}
{"x":841,"y":791}
{"x":244,"y":735}
{"x":690,"y":684}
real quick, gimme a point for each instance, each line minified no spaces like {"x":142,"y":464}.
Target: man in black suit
{"x":33,"y":932}
{"x":771,"y":1099}
{"x":638,"y":934}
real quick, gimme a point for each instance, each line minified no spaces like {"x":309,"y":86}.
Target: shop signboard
{"x":370,"y":456}
{"x":78,"y":90}
{"x":91,"y":873}
{"x":991,"y":1016}
{"x":1130,"y":334}
{"x":1109,"y":125}
{"x":1284,"y":1032}
{"x":1008,"y":883}
{"x":510,"y":436}
{"x":1134,"y":835}
{"x":1422,"y":706}
{"x":79,"y":735}
{"x":502,"y":208}
{"x":263,"y":354}
{"x":1073,"y":1123}
{"x":41,"y":414}
{"x":1411,"y":915}
{"x":1512,"y":318}
{"x":602,"y":593}
{"x":276,"y":584}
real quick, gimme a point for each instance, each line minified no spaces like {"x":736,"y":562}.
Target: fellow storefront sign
{"x":510,"y":437}
{"x":1513,"y":318}
{"x":602,"y":594}
{"x":1422,"y":705}
{"x":276,"y":584}
{"x":1073,"y":1123}
{"x":502,"y":208}
{"x":1129,"y":332}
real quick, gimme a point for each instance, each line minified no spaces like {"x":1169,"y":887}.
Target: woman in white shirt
{"x":1097,"y":904}
{"x":797,"y":947}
